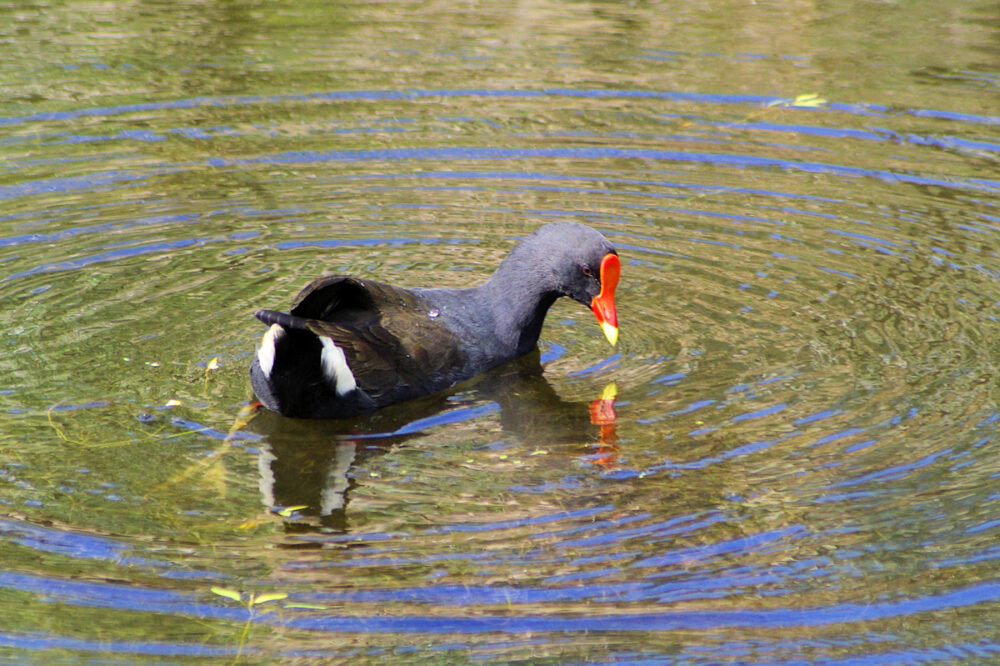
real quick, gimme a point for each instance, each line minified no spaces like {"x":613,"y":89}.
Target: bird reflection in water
{"x":307,"y":464}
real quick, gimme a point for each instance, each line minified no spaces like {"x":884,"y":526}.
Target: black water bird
{"x":351,"y":345}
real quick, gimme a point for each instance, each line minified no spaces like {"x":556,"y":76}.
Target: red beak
{"x":603,"y":304}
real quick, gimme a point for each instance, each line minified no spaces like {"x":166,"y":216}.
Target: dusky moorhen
{"x":351,"y":345}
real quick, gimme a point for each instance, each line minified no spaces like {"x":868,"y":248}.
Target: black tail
{"x":289,"y":375}
{"x":283,"y":320}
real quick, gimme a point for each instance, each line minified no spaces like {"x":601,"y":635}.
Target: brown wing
{"x":394,"y":346}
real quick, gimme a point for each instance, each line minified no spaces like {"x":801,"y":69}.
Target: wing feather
{"x":394,"y":348}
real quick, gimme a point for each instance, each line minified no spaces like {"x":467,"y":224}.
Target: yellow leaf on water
{"x":810,"y":100}
{"x":227,"y":593}
{"x":271,"y":596}
{"x":289,"y":510}
{"x":539,"y":452}
{"x":173,"y":402}
{"x":806,"y":100}
{"x":214,"y":363}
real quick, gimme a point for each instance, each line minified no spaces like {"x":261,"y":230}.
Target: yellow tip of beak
{"x":610,"y":392}
{"x":610,"y":332}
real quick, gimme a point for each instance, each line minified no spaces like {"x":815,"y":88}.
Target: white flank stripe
{"x":335,"y":367}
{"x":265,"y":355}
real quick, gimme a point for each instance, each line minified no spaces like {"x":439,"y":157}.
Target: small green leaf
{"x":273,"y":596}
{"x":228,"y":594}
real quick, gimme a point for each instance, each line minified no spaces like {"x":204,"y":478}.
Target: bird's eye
{"x":587,"y":271}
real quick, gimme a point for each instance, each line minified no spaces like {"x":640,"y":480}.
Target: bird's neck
{"x":519,"y":306}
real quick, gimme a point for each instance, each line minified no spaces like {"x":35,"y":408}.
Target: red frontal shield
{"x":603,"y":304}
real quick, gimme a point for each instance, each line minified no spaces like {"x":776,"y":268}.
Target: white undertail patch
{"x":335,"y":367}
{"x":265,"y":354}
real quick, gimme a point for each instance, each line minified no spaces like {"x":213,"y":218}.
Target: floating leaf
{"x":214,"y":363}
{"x":811,"y":100}
{"x":806,"y":100}
{"x":173,"y":402}
{"x":539,"y":452}
{"x":271,"y":596}
{"x":228,"y":594}
{"x":289,"y":510}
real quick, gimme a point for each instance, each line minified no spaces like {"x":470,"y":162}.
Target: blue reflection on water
{"x":643,"y":622}
{"x":409,"y":95}
{"x":444,"y":418}
{"x":892,"y":473}
{"x":760,"y":413}
{"x":130,"y":597}
{"x":602,"y":152}
{"x":555,"y":176}
{"x":87,"y":182}
{"x":84,"y":546}
{"x":39,"y":641}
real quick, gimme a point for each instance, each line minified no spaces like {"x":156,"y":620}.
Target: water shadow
{"x":307,"y":464}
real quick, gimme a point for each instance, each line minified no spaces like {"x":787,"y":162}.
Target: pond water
{"x":802,"y":461}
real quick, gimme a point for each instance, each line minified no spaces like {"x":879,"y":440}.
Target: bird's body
{"x":352,"y":345}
